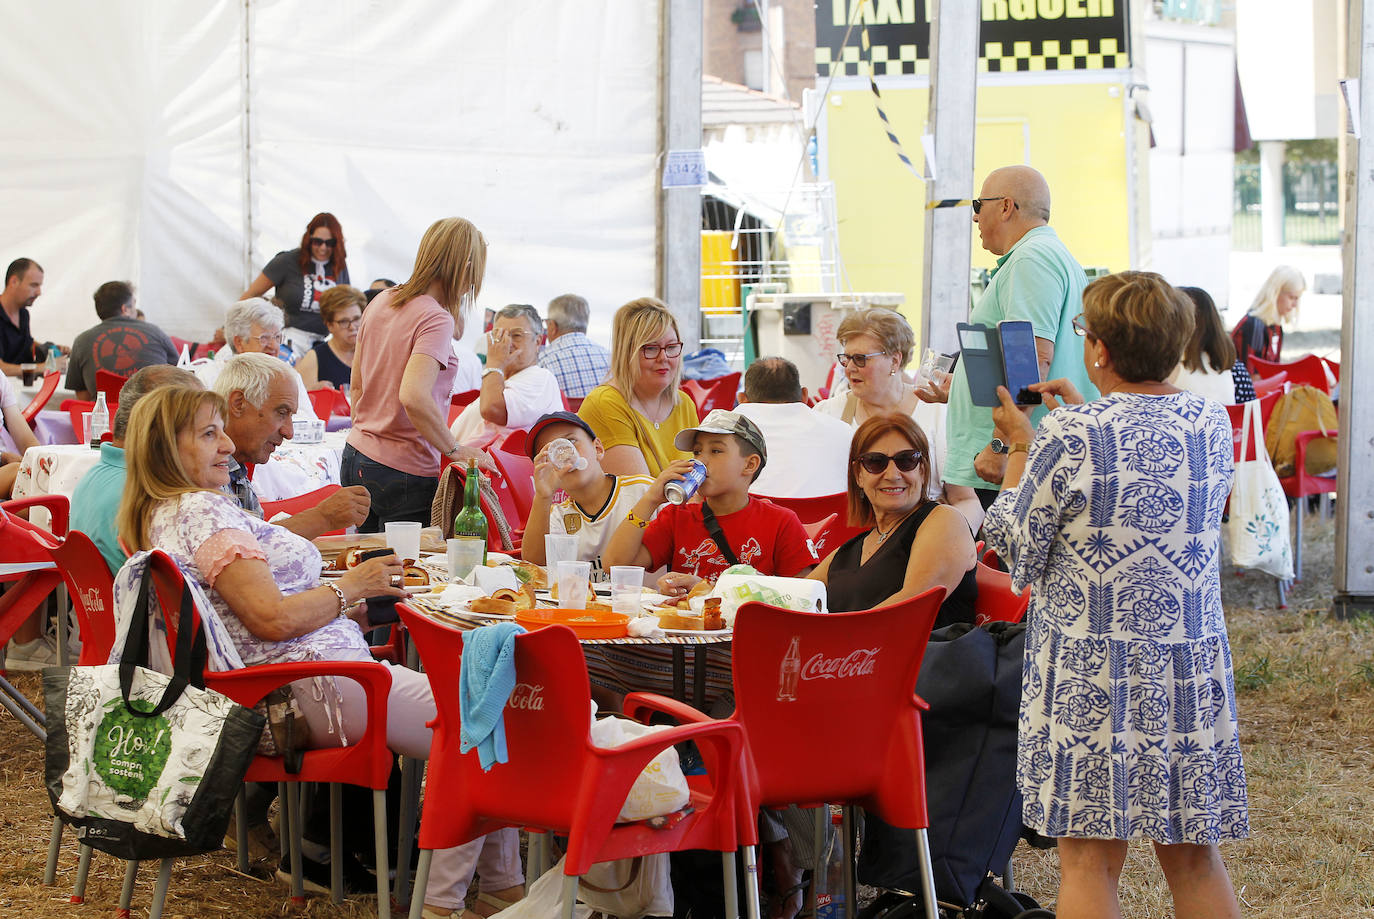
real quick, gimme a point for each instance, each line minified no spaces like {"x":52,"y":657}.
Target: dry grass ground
{"x":1306,"y":686}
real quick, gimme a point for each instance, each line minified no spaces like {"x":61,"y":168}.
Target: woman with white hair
{"x":1261,"y":331}
{"x":252,"y":326}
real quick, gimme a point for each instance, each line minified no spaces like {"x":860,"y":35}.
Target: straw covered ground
{"x":1306,"y":685}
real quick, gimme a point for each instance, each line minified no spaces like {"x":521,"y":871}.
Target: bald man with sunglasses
{"x":1036,"y":279}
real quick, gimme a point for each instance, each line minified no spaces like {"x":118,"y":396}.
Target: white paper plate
{"x":697,"y":631}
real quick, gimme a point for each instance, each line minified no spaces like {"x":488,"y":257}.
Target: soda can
{"x":678,"y":492}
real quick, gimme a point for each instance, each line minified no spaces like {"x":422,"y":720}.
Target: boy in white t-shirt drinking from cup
{"x":595,"y":501}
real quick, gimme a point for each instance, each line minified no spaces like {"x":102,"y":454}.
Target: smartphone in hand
{"x":1020,"y":362}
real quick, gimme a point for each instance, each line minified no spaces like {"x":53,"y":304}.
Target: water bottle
{"x":100,"y":421}
{"x":830,"y":891}
{"x":564,"y":456}
{"x":51,"y":365}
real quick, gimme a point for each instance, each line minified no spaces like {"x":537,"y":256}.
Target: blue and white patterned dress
{"x":1128,"y":717}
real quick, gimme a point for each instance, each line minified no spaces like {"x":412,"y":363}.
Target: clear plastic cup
{"x":559,"y":548}
{"x":573,"y":578}
{"x":403,"y":538}
{"x":627,"y":594}
{"x":83,"y":436}
{"x":936,"y":366}
{"x":464,"y":554}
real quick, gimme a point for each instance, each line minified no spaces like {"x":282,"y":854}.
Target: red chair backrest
{"x":512,"y":441}
{"x":1333,"y":368}
{"x":1237,"y":413}
{"x":1265,"y":385}
{"x":724,"y":393}
{"x":292,"y":506}
{"x":547,"y":724}
{"x":996,"y":602}
{"x":74,"y":409}
{"x":517,"y":473}
{"x":21,"y":542}
{"x":697,"y":392}
{"x":809,"y":510}
{"x":460,"y":401}
{"x":567,"y":404}
{"x":1260,"y":368}
{"x":40,"y":398}
{"x":834,"y":534}
{"x":322,"y":401}
{"x":341,"y":406}
{"x":508,"y":508}
{"x":573,"y":404}
{"x":1309,"y":370}
{"x":92,"y":590}
{"x":814,"y":531}
{"x":59,"y":513}
{"x":111,"y":384}
{"x":852,"y":673}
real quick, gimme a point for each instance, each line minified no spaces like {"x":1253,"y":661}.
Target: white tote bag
{"x":1258,"y":526}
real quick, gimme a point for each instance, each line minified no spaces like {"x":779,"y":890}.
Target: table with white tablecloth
{"x":52,"y":469}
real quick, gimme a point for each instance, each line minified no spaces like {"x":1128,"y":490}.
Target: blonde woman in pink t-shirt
{"x":403,"y":372}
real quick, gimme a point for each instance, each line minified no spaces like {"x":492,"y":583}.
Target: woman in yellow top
{"x":638,"y":412}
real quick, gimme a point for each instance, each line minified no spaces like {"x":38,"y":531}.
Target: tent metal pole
{"x":679,"y":209}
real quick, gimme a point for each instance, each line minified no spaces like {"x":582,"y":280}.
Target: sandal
{"x":429,"y":912}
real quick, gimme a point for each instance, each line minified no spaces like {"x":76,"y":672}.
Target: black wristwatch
{"x":998,"y":446}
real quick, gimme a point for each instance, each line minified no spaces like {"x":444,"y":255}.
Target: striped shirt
{"x":579,"y":363}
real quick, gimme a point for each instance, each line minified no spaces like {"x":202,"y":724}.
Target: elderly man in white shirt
{"x":807,"y":451}
{"x":252,"y":326}
{"x":515,"y":390}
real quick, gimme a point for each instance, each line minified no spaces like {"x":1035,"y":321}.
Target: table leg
{"x":679,"y":673}
{"x":410,"y":807}
{"x":699,"y":677}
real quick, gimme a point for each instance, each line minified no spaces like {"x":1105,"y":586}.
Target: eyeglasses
{"x":270,"y":341}
{"x":858,"y":360}
{"x":316,"y":241}
{"x":1080,"y":329}
{"x":347,"y":323}
{"x":651,"y":352}
{"x":876,"y":463}
{"x":978,"y":203}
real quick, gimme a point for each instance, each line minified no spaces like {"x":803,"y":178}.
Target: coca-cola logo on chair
{"x":857,"y":663}
{"x":527,"y":697}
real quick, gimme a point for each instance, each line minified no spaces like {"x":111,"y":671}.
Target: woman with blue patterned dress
{"x":1112,"y":514}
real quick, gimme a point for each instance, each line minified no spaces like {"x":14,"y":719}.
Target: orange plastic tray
{"x":585,"y":623}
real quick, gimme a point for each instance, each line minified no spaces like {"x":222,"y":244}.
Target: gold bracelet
{"x":343,"y":601}
{"x":637,"y":521}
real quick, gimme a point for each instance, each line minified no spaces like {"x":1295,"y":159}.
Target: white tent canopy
{"x":180,"y":145}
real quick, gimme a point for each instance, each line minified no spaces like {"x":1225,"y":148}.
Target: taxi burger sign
{"x":1016,"y":35}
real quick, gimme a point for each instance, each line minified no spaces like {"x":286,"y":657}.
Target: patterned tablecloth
{"x":52,"y":469}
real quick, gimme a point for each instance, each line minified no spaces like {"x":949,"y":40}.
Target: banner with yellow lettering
{"x":1016,"y":36}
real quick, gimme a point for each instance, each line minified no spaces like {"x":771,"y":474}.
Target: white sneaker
{"x":30,"y":655}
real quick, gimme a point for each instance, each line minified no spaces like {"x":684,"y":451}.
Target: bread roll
{"x":674,"y":619}
{"x":493,"y":605}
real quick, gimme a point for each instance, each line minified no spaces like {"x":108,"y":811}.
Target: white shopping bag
{"x":1258,"y":526}
{"x":661,"y":788}
{"x":630,"y":889}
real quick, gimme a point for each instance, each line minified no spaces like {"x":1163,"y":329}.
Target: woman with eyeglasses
{"x":403,"y":370}
{"x":1113,"y":517}
{"x":329,"y":363}
{"x":914,"y":543}
{"x":301,"y":275}
{"x":640,"y":410}
{"x":876,"y":344}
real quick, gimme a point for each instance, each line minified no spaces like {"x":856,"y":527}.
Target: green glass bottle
{"x":469,"y":547}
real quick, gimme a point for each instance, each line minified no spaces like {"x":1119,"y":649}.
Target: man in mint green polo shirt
{"x":95,"y":500}
{"x":1036,"y":279}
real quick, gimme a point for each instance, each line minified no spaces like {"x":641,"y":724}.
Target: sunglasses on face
{"x":876,"y":463}
{"x":651,"y":352}
{"x":978,"y":203}
{"x":316,"y":241}
{"x":858,"y":360}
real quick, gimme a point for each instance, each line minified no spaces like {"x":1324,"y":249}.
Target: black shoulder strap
{"x":713,"y":527}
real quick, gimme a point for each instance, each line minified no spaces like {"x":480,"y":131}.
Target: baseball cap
{"x":719,"y":421}
{"x":554,"y":418}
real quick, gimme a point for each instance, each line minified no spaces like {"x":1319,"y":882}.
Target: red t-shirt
{"x":762,"y":534}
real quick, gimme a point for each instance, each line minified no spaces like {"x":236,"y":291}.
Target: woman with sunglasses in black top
{"x":299,"y":276}
{"x":914,"y":544}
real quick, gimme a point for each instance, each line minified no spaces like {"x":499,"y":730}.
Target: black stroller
{"x":971,"y":677}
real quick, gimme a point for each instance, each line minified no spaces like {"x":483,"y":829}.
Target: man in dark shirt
{"x":23,"y":284}
{"x":121,"y":343}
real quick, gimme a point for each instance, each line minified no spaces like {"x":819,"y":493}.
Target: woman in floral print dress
{"x":1113,"y":517}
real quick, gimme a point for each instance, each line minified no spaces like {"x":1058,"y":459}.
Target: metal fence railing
{"x":1311,"y":210}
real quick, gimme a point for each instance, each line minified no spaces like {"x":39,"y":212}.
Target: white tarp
{"x":135,"y":133}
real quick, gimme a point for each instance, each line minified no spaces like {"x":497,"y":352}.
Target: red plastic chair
{"x":809,"y":510}
{"x":556,"y":778}
{"x":517,"y":475}
{"x":1333,"y":368}
{"x":32,"y":578}
{"x":40,"y":398}
{"x":111,"y":384}
{"x":74,"y":409}
{"x":722,"y":392}
{"x":293,"y":506}
{"x":508,"y":510}
{"x":460,"y":401}
{"x":816,"y":533}
{"x":1300,"y":486}
{"x":854,"y":673}
{"x":574,"y":405}
{"x":322,"y":401}
{"x":996,"y":602}
{"x":1265,"y":385}
{"x":1309,"y":370}
{"x":366,"y":762}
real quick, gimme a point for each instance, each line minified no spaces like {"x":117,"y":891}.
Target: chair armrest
{"x":251,"y":684}
{"x":920,"y":703}
{"x":1303,"y":438}
{"x":59,"y":507}
{"x":640,"y":705}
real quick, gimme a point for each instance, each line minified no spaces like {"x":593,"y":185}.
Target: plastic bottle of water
{"x":564,"y":456}
{"x":51,"y":365}
{"x":830,"y":892}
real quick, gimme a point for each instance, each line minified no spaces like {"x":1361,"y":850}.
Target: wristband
{"x":638,"y":521}
{"x":493,"y":370}
{"x":343,"y":601}
{"x":453,"y":449}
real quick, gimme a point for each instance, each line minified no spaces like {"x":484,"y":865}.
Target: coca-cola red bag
{"x":972,"y":679}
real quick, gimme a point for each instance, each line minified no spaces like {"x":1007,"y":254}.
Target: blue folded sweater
{"x":488,"y":679}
